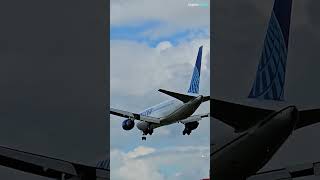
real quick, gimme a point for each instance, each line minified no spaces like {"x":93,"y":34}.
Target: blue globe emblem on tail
{"x":104,"y":164}
{"x":194,"y":85}
{"x":195,"y":80}
{"x":270,"y":76}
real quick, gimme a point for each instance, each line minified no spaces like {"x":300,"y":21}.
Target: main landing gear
{"x":146,"y":132}
{"x":186,"y":131}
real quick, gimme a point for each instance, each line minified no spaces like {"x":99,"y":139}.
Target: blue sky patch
{"x":136,"y":32}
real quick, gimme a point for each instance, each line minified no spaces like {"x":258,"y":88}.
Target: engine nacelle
{"x":192,"y":125}
{"x":127,"y":124}
{"x":145,"y":127}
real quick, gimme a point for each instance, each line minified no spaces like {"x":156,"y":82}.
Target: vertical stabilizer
{"x":270,"y":76}
{"x":195,"y":80}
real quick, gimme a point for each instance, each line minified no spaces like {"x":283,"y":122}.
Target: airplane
{"x":177,"y":110}
{"x":52,"y":167}
{"x":261,"y":131}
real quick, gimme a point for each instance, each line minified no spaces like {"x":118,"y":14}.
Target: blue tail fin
{"x":270,"y":77}
{"x":194,"y":84}
{"x":104,"y":164}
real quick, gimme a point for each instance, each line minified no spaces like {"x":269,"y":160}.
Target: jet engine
{"x":189,"y":127}
{"x":145,"y":128}
{"x":127,"y":124}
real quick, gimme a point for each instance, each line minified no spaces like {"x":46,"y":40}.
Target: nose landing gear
{"x":144,"y":138}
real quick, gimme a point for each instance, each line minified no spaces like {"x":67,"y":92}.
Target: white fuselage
{"x":169,"y":112}
{"x":249,"y":152}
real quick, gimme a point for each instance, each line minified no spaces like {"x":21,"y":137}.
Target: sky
{"x":49,"y":65}
{"x":154,"y":45}
{"x":239,"y":27}
{"x":52,"y":97}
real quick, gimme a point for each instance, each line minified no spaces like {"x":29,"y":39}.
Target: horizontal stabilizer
{"x":240,"y":117}
{"x":134,"y":116}
{"x":307,"y":118}
{"x":182,"y":97}
{"x":205,"y":98}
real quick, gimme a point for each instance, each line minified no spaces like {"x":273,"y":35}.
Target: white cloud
{"x":184,"y":159}
{"x":137,"y":71}
{"x":163,"y":46}
{"x":175,"y":14}
{"x":137,"y":68}
{"x":140,"y":151}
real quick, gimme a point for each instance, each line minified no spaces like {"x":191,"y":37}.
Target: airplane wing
{"x":134,"y":116}
{"x":240,"y":117}
{"x":49,"y":167}
{"x":194,"y":118}
{"x":296,"y":171}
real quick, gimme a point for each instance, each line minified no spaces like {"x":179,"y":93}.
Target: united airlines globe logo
{"x":270,"y":75}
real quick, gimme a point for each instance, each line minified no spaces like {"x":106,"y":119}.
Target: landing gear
{"x":186,"y":131}
{"x":147,"y":131}
{"x":144,"y":138}
{"x":150,"y":131}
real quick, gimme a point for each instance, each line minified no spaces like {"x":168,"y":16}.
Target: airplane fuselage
{"x":170,"y":112}
{"x":249,"y":152}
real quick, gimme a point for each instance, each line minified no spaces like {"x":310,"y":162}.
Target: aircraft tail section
{"x":195,"y":80}
{"x":103,"y":164}
{"x":270,"y":76}
{"x":182,"y":97}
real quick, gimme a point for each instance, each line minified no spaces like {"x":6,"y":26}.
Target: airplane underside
{"x":264,"y":139}
{"x":189,"y":127}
